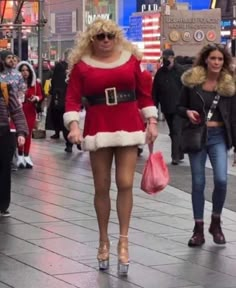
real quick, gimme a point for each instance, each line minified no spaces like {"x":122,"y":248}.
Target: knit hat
{"x":168,"y":52}
{"x":4,"y":54}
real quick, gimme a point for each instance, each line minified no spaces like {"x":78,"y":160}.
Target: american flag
{"x":151,"y":37}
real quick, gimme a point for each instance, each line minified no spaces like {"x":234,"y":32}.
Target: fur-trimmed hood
{"x":33,"y":82}
{"x":197,"y":76}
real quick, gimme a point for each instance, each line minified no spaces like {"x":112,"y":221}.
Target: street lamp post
{"x":41,"y":23}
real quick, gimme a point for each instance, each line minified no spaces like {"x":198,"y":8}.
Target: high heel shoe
{"x":103,"y":255}
{"x":123,"y":255}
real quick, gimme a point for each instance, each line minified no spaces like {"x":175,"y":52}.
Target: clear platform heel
{"x":103,"y":255}
{"x":123,"y":255}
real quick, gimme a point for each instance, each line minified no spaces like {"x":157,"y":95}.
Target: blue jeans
{"x":216,"y":149}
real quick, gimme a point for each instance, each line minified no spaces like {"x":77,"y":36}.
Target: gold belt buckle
{"x":111,"y":96}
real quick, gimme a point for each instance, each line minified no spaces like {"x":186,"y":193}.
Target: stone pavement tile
{"x":231,"y":227}
{"x":213,"y":261}
{"x":146,"y":213}
{"x":10,"y":245}
{"x":71,"y":231}
{"x":169,"y":220}
{"x":154,"y":228}
{"x":148,"y":277}
{"x":50,"y":198}
{"x":74,"y":175}
{"x":159,"y":244}
{"x":26,"y":232}
{"x":19,"y":275}
{"x":55,"y":211}
{"x":96,"y":279}
{"x":67,"y":248}
{"x":149,"y":257}
{"x":8,"y":221}
{"x":22,"y":200}
{"x":29,"y":216}
{"x":2,"y":285}
{"x":199,"y":275}
{"x":113,"y":228}
{"x":51,"y":263}
{"x":40,"y":178}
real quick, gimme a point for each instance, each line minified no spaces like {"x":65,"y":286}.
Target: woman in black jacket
{"x":211,"y":75}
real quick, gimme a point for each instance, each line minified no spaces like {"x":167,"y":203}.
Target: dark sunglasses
{"x":216,"y":46}
{"x":102,"y":36}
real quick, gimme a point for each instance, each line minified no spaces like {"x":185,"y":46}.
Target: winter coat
{"x":34,"y":89}
{"x":14,"y":109}
{"x":58,"y":86}
{"x":166,"y":88}
{"x":191,"y":99}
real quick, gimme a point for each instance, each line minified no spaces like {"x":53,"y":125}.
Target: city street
{"x":51,"y":239}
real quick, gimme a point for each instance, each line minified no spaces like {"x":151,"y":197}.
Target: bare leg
{"x":101,"y":161}
{"x":125,"y":158}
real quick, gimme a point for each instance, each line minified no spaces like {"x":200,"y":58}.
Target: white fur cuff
{"x":68,"y":117}
{"x":150,"y":111}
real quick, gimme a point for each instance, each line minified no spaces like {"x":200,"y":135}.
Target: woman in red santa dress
{"x":105,"y":69}
{"x":32,"y":95}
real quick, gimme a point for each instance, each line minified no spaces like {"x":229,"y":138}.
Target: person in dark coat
{"x":57,"y":104}
{"x":208,"y":99}
{"x":166,"y":92}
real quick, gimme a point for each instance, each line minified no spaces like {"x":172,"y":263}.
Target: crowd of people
{"x":103,"y":75}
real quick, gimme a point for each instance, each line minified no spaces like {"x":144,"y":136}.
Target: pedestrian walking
{"x":105,"y":69}
{"x":208,"y":100}
{"x":9,"y":105}
{"x":57,"y":104}
{"x":33,"y":95}
{"x":166,"y":92}
{"x":13,"y":77}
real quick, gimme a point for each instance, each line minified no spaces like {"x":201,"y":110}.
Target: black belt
{"x":111,"y":97}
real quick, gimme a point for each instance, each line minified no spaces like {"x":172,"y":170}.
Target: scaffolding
{"x":11,"y":19}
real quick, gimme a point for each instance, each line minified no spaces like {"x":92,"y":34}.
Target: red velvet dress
{"x":110,"y":126}
{"x":30,"y":113}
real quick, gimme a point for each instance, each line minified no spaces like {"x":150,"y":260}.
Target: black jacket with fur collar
{"x":191,"y":99}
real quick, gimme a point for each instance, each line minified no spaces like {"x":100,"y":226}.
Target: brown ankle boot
{"x":198,"y":235}
{"x":216,"y":231}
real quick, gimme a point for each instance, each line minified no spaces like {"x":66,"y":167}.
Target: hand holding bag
{"x":194,"y":136}
{"x":155,"y":174}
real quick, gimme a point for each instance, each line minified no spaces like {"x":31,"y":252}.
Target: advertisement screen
{"x":105,"y":9}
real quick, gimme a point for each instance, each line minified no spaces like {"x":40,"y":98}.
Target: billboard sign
{"x":149,"y":5}
{"x":105,"y":9}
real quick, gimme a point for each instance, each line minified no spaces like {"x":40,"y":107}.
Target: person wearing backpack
{"x":9,"y":105}
{"x":33,"y":95}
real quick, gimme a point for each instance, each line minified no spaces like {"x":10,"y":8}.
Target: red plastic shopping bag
{"x":155,"y":174}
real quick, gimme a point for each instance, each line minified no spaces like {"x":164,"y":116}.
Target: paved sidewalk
{"x":51,"y":239}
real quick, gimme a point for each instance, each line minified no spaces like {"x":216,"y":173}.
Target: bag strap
{"x":213,"y":107}
{"x":5,"y":93}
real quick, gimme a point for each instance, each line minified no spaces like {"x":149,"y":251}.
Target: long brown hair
{"x":206,"y":50}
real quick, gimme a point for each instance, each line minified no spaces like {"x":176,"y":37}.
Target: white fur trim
{"x":150,"y":111}
{"x":68,"y":117}
{"x":30,"y":67}
{"x":115,"y":139}
{"x":124,"y":57}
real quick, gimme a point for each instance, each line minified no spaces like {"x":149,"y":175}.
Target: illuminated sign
{"x":149,"y":5}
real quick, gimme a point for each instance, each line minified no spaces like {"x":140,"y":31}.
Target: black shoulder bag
{"x":194,"y":137}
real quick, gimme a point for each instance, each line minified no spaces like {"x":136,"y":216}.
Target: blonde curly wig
{"x":83,"y":43}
